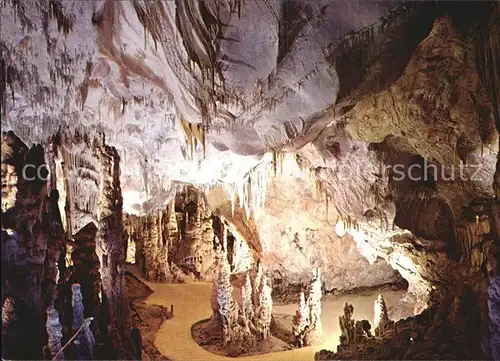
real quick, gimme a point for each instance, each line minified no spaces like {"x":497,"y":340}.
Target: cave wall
{"x":42,"y":258}
{"x":296,"y":231}
{"x":31,"y":235}
{"x":437,"y":112}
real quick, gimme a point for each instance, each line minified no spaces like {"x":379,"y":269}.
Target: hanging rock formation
{"x":391,"y":109}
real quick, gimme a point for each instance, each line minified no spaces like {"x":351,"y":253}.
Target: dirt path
{"x":192,"y":304}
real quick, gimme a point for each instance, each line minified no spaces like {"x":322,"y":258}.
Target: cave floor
{"x":192,"y":303}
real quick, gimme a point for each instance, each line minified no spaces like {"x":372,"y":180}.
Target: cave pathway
{"x":192,"y":304}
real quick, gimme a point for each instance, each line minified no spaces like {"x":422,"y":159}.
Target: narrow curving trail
{"x":192,"y":304}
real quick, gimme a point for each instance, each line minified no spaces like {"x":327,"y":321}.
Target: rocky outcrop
{"x":33,"y":235}
{"x":362,"y":163}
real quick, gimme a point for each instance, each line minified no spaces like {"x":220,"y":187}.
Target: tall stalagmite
{"x":110,"y":248}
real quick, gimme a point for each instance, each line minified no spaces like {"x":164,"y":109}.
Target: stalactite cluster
{"x":195,"y":134}
{"x":250,"y":192}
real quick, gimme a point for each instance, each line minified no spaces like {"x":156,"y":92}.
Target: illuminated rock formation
{"x":381,"y":318}
{"x":347,"y":326}
{"x":390,"y":110}
{"x":307,"y":326}
{"x":264,"y":309}
{"x":315,"y":295}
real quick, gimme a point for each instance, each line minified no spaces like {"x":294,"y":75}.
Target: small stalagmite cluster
{"x":307,"y":324}
{"x":354,"y":332}
{"x":244,"y":316}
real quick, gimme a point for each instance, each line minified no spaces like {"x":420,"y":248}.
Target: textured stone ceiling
{"x":249,"y":72}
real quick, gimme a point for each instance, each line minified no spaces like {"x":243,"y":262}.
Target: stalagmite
{"x":110,"y":247}
{"x":246,"y":297}
{"x":381,"y":318}
{"x":264,"y":311}
{"x":54,"y":332}
{"x":131,"y":250}
{"x":300,"y":328}
{"x":224,"y":294}
{"x":315,"y":295}
{"x":257,"y":284}
{"x":347,"y":326}
{"x":86,"y":268}
{"x":84,"y":339}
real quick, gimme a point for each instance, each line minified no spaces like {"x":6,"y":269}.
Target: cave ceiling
{"x":203,"y":92}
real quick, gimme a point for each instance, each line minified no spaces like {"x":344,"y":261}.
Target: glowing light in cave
{"x":251,"y":190}
{"x":131,"y":248}
{"x":340,"y":229}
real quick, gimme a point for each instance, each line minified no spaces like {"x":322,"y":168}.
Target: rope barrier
{"x":86,"y":322}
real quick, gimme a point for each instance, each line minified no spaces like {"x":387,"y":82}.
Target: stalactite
{"x":194,"y":133}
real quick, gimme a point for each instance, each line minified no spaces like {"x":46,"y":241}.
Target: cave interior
{"x":285,"y":179}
